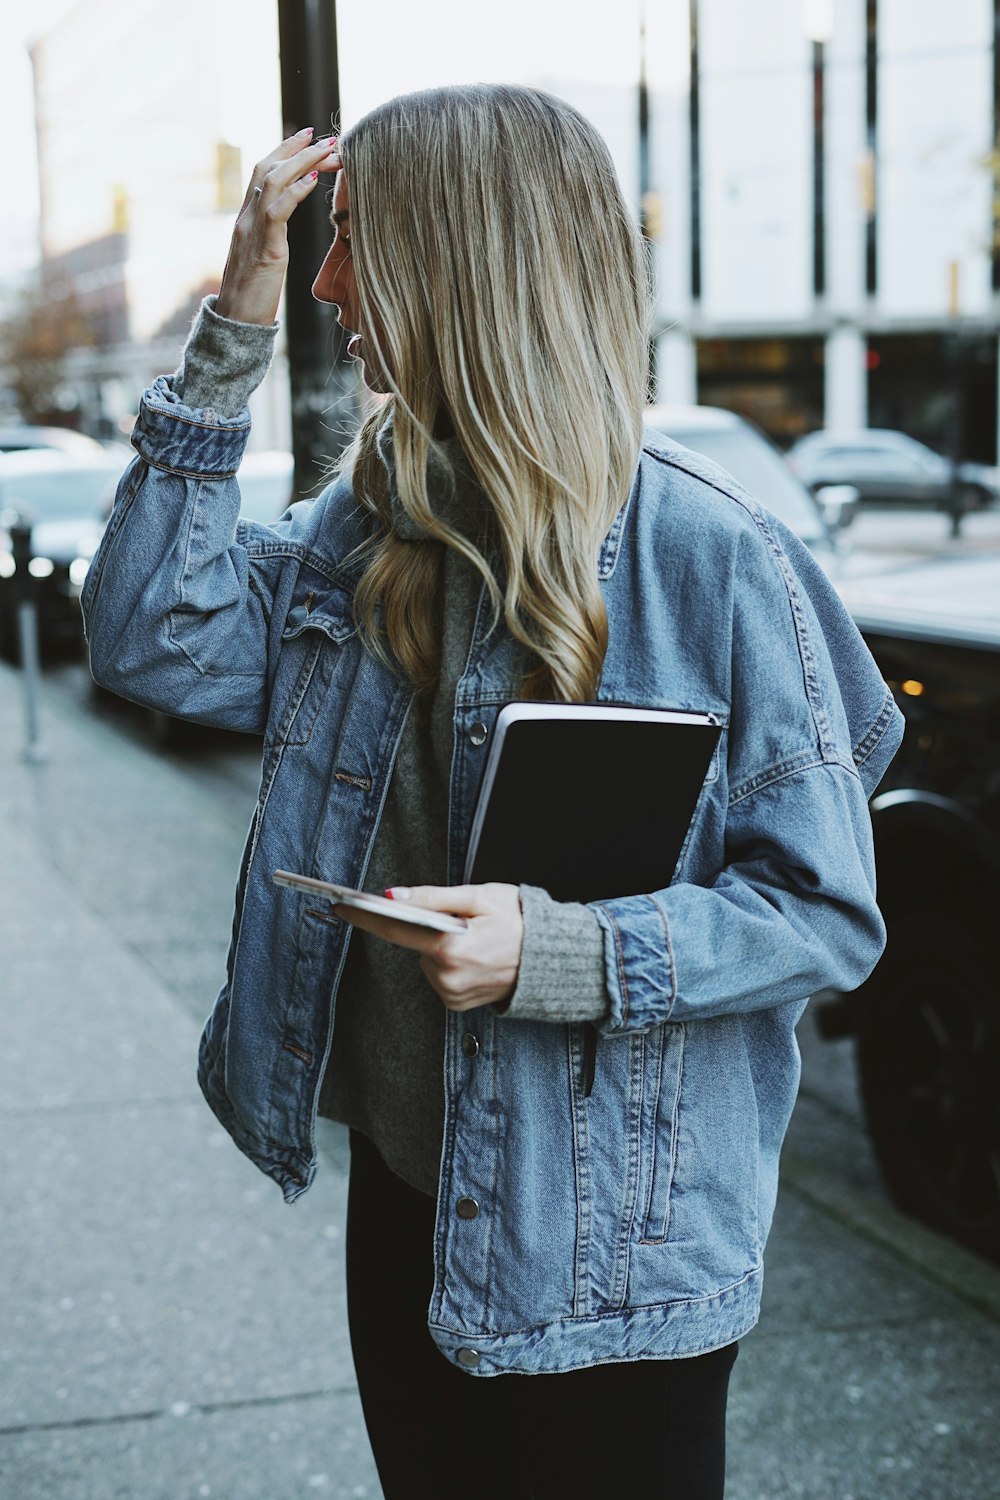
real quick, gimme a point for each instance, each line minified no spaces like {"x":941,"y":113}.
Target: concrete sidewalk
{"x":171,"y":1330}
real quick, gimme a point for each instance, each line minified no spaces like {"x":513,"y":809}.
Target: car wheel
{"x":929,"y":1059}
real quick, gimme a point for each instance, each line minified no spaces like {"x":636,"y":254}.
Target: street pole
{"x":35,"y":750}
{"x":323,"y":385}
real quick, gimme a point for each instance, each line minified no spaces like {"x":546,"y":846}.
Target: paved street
{"x":172,"y":1331}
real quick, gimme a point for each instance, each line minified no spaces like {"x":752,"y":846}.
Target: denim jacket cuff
{"x":639,"y":963}
{"x":195,"y":443}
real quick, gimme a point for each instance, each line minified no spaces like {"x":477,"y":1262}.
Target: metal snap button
{"x":468,"y":1357}
{"x":470,"y":1043}
{"x":467,"y":1208}
{"x":478,"y":733}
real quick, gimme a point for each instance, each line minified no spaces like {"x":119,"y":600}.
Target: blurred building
{"x":828,"y":181}
{"x":147,"y":123}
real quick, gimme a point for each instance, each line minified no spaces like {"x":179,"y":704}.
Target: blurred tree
{"x":38,"y":329}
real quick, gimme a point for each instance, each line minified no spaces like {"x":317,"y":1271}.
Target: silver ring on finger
{"x":256,"y":193}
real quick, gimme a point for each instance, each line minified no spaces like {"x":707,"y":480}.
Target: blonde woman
{"x":546,"y":1284}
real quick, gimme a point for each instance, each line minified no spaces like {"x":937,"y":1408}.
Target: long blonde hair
{"x":498,"y":262}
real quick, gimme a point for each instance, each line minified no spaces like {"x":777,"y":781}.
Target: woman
{"x":500,"y":530}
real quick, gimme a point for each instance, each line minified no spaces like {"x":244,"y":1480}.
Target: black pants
{"x":654,"y":1428}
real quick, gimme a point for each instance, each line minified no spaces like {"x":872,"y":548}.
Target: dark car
{"x":890,"y":468}
{"x":65,"y":499}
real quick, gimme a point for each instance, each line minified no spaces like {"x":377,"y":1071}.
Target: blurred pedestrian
{"x":546,"y":1286}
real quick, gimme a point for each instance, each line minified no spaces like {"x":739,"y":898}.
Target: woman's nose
{"x":328,"y":286}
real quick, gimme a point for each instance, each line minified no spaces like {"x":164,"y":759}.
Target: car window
{"x":762,"y":470}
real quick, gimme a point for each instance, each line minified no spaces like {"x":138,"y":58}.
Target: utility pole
{"x":322,"y":381}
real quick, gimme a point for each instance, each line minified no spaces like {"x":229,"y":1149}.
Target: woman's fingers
{"x":287,"y":151}
{"x":279,"y":174}
{"x":287,"y":183}
{"x":467,"y":969}
{"x":258,"y":252}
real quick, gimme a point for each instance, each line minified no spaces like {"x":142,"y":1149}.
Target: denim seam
{"x":806,"y":655}
{"x":602,"y":1317}
{"x":114,"y":525}
{"x":865,"y":747}
{"x":173,"y":416}
{"x":653,"y":1152}
{"x":675,"y":1112}
{"x":779,"y":772}
{"x":165,"y":468}
{"x":622,"y":980}
{"x":581,"y":1176}
{"x":661,"y":909}
{"x":172,"y":614}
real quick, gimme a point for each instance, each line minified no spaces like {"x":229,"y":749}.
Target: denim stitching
{"x":661,"y":909}
{"x":864,"y":748}
{"x":186,"y":473}
{"x":806,"y":656}
{"x":623,"y":982}
{"x":174,"y":416}
{"x":779,"y":772}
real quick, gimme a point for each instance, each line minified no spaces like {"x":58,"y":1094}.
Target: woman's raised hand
{"x":258,"y":252}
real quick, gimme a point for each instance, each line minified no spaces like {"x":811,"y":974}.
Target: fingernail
{"x":313,"y":174}
{"x":306,"y":130}
{"x":399,"y":892}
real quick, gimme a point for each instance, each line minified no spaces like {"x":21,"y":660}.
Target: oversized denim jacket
{"x":626,"y":1224}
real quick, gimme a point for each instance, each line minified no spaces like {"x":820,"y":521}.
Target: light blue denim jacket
{"x":628,"y":1224}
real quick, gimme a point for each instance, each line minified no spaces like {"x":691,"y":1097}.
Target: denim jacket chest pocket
{"x":312,"y":651}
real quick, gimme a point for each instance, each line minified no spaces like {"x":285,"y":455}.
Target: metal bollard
{"x":35,"y":749}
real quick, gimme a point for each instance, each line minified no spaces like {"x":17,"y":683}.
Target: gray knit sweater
{"x":385,"y":1074}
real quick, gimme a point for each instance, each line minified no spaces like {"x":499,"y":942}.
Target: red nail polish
{"x":313,"y":174}
{"x":389,"y":894}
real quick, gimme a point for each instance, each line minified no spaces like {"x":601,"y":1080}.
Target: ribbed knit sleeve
{"x":223,"y":361}
{"x":561,"y":977}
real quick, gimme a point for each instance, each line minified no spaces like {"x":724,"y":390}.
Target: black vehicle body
{"x":927,"y":1022}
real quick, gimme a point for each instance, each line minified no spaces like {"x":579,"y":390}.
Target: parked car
{"x":20,"y":436}
{"x":890,"y":468}
{"x":64,"y":498}
{"x":927,"y":1022}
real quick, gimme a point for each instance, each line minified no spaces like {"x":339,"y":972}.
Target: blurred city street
{"x":174,"y":1332}
{"x":816,"y":185}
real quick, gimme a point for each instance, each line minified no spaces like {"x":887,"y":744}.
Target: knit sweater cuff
{"x":223,"y":361}
{"x":561,"y":977}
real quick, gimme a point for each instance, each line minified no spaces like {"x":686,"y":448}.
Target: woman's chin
{"x":371,"y":374}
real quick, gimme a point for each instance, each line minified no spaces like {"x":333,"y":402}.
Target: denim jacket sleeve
{"x":184,"y":603}
{"x":790,"y":907}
